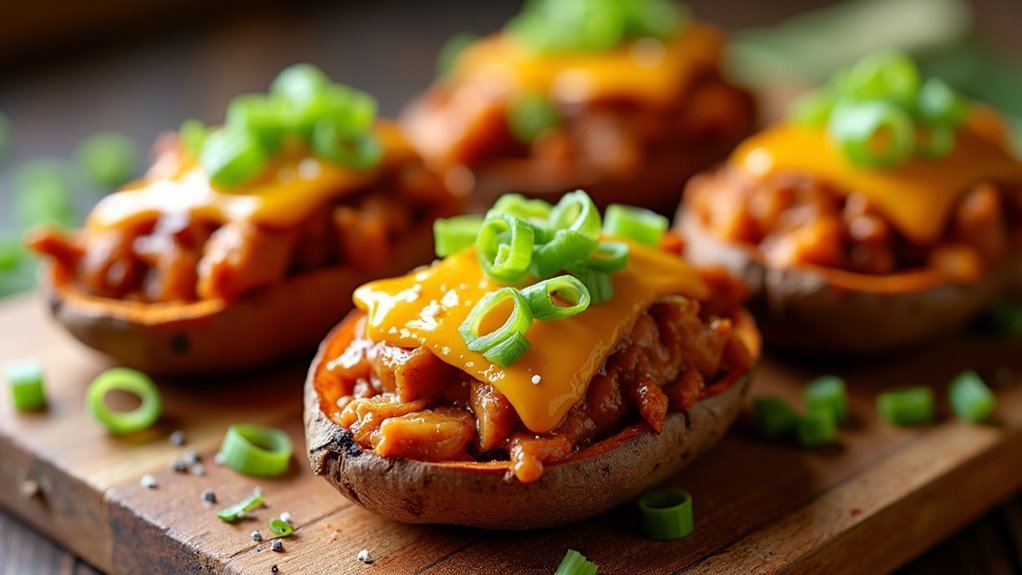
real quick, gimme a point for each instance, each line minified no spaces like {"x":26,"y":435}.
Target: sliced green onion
{"x":889,"y":76}
{"x":873,"y":134}
{"x":131,"y":381}
{"x":361,"y":152}
{"x":940,"y":105}
{"x":774,"y":417}
{"x":300,"y":83}
{"x":827,"y":392}
{"x":1005,"y":318}
{"x":451,"y":235}
{"x":608,"y":257}
{"x":599,"y":284}
{"x":508,"y":350}
{"x":574,"y":563}
{"x":517,"y":322}
{"x":108,"y":159}
{"x":256,"y":449}
{"x":505,"y":261}
{"x":907,"y":406}
{"x":238,"y":510}
{"x":666,"y":514}
{"x":656,"y":18}
{"x":817,"y":427}
{"x":531,"y":115}
{"x":576,"y":211}
{"x":280,"y":528}
{"x":42,"y":194}
{"x":193,"y":134}
{"x":935,"y":141}
{"x":566,"y":248}
{"x":540,"y":298}
{"x":519,"y":206}
{"x":231,"y":157}
{"x":451,"y":50}
{"x":12,"y":253}
{"x":812,"y":108}
{"x":971,"y":399}
{"x":25,"y":379}
{"x":350,"y":111}
{"x":641,"y":225}
{"x":260,"y":115}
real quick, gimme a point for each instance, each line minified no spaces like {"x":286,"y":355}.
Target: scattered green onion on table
{"x":237,"y":511}
{"x":574,"y":563}
{"x":970,"y":398}
{"x":817,"y":427}
{"x":666,"y":514}
{"x":25,"y":379}
{"x":827,"y":392}
{"x":909,"y":406}
{"x":774,"y":417}
{"x":130,"y":381}
{"x":257,"y":450}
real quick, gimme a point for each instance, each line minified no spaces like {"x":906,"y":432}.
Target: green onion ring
{"x":936,"y":141}
{"x":231,"y":157}
{"x":774,"y":417}
{"x":280,"y":528}
{"x":666,"y":514}
{"x":608,"y":257}
{"x":887,"y":76}
{"x":25,"y":379}
{"x":970,"y":398}
{"x":812,"y":108}
{"x":817,"y":427}
{"x":451,"y":235}
{"x":133,"y":382}
{"x":540,"y":300}
{"x":853,"y":127}
{"x":361,"y":151}
{"x":576,"y":211}
{"x":508,"y":350}
{"x":638,"y":224}
{"x":505,"y":261}
{"x":566,"y":248}
{"x":519,"y":206}
{"x":907,"y":406}
{"x":517,"y":322}
{"x":827,"y":392}
{"x":256,"y":450}
{"x":940,"y":105}
{"x":599,"y":284}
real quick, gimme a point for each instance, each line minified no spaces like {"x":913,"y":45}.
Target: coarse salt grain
{"x":148,"y":481}
{"x":256,"y":536}
{"x":277,"y":546}
{"x":177,"y":438}
{"x":536,"y":379}
{"x":286,"y":518}
{"x":365,"y":557}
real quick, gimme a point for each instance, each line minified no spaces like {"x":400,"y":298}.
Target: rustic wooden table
{"x":145,"y":73}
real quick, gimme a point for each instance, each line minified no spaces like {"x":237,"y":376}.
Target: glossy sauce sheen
{"x":285,"y":195}
{"x":644,"y":70}
{"x":426,"y":307}
{"x":917,"y":197}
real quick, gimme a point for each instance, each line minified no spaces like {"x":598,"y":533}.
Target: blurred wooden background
{"x":70,"y":68}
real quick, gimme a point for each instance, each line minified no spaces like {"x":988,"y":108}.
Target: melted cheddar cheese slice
{"x":288,"y":191}
{"x":645,"y":69}
{"x":917,"y":197}
{"x":426,"y":307}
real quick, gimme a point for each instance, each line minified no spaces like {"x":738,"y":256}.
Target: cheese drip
{"x":645,"y":69}
{"x":290,"y":189}
{"x":426,"y":307}
{"x":916,"y":197}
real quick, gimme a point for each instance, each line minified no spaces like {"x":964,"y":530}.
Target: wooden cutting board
{"x":865,"y":506}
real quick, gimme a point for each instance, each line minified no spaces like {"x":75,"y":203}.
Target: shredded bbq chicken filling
{"x":409,"y":403}
{"x":799,"y":220}
{"x":178,"y":258}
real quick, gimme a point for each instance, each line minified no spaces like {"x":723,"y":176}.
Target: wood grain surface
{"x":868,"y":504}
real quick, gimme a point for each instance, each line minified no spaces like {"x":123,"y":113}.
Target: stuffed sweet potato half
{"x":886,"y":211}
{"x":230,"y":253}
{"x":624,"y":99}
{"x":494,"y":391}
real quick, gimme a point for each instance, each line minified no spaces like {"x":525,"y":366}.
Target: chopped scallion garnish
{"x":25,"y":379}
{"x":666,"y":514}
{"x":505,"y":261}
{"x":774,"y":417}
{"x":531,"y":115}
{"x":451,"y":235}
{"x":237,"y":511}
{"x":256,"y":449}
{"x":817,"y":427}
{"x":280,"y":528}
{"x":638,"y":224}
{"x":108,"y":159}
{"x":540,"y":298}
{"x":909,"y":406}
{"x":505,"y":344}
{"x":574,"y":563}
{"x":130,"y":381}
{"x":970,"y":397}
{"x":827,"y":392}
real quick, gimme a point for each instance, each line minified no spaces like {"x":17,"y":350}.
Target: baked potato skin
{"x":484,"y":495}
{"x":213,"y":336}
{"x":802,"y":310}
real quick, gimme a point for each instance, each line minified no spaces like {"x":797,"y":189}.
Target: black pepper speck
{"x":277,"y":546}
{"x":208,"y":496}
{"x":274,"y":569}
